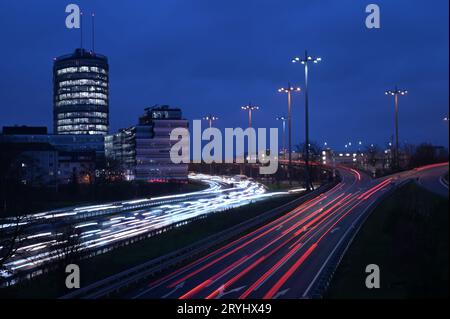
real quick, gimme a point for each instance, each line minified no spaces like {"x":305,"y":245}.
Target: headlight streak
{"x":226,"y":193}
{"x":324,"y":217}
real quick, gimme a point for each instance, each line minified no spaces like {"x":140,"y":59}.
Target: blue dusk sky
{"x":213,"y":56}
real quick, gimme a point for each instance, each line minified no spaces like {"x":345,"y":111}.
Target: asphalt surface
{"x":433,"y":180}
{"x":98,"y":228}
{"x":285,"y":258}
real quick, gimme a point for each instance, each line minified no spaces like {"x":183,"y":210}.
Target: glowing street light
{"x":305,"y":61}
{"x":283,"y":119}
{"x":210,"y":118}
{"x":395,"y":93}
{"x":288,"y":90}
{"x":250,"y":108}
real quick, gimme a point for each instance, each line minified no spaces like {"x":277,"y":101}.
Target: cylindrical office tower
{"x":80,"y":93}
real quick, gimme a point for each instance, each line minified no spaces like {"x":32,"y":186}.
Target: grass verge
{"x":407,"y":236}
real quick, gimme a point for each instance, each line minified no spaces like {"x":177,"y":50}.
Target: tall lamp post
{"x":305,"y":61}
{"x":396,"y":93}
{"x":250,"y":108}
{"x":283,"y":119}
{"x":288,"y":90}
{"x":210,"y":118}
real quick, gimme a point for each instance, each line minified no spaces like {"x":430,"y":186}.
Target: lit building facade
{"x":144,"y":150}
{"x":120,"y":151}
{"x":81,"y":93}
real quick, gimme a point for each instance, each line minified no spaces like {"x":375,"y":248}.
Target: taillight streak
{"x":270,"y":272}
{"x":211,"y":280}
{"x":300,"y":222}
{"x":317,"y":218}
{"x":372,"y":190}
{"x":201,"y":286}
{"x":288,"y":274}
{"x":296,"y":211}
{"x":239,"y":247}
{"x":324,"y":220}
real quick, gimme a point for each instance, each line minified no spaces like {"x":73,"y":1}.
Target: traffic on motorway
{"x":291,"y":257}
{"x":100,"y":228}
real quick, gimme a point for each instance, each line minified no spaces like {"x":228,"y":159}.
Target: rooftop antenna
{"x":81,"y":30}
{"x":93,"y":32}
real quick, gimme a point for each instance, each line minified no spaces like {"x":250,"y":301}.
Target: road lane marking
{"x":179,"y":286}
{"x":281,"y":293}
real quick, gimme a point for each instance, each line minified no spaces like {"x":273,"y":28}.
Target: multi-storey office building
{"x":120,"y":151}
{"x":144,"y":149}
{"x":81,"y":93}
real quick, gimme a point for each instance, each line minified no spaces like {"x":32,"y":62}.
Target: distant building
{"x":76,"y":167}
{"x":34,"y":164}
{"x":81,"y":93}
{"x":144,"y":150}
{"x":120,"y":152}
{"x":349,"y":158}
{"x":327,"y":157}
{"x":77,"y":156}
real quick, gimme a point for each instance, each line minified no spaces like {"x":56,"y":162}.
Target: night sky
{"x":213,"y":56}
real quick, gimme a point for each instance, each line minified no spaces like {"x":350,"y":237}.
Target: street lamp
{"x":210,"y":118}
{"x":283,"y":119}
{"x":395,"y":93}
{"x":288,"y":90}
{"x":305,"y":61}
{"x":250,"y":108}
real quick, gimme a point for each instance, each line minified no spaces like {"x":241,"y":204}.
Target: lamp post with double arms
{"x":288,"y":90}
{"x":305,"y":61}
{"x":210,"y":118}
{"x":250,"y":108}
{"x":396,"y":93}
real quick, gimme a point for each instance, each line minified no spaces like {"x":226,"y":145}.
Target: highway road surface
{"x":101,"y":227}
{"x":285,"y":258}
{"x":434,"y":179}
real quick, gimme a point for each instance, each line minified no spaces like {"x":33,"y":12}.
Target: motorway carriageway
{"x":100,"y":227}
{"x":284,"y":258}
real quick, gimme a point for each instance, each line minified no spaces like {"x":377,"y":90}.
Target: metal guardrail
{"x":324,"y":279}
{"x":114,"y":283}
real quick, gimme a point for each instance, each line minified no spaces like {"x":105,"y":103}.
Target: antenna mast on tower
{"x":93,"y":31}
{"x":81,"y":29}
